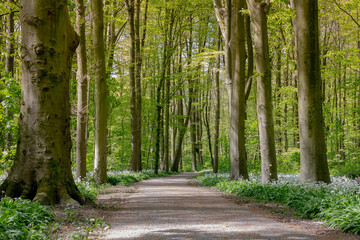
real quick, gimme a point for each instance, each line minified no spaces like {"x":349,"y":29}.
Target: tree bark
{"x":42,"y":168}
{"x":258,"y":14}
{"x":82,"y":105}
{"x":100,"y":161}
{"x":313,"y":161}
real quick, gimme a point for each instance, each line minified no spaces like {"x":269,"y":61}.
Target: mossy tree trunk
{"x":42,"y":168}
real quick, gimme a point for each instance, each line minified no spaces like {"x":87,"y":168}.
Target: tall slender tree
{"x":100,"y":161}
{"x":82,"y":90}
{"x":232,"y":24}
{"x":218,"y":105}
{"x":258,"y":14}
{"x":313,"y":158}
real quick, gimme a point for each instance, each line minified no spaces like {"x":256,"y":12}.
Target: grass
{"x":337,"y":203}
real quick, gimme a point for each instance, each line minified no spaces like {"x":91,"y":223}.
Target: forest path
{"x":171,"y":208}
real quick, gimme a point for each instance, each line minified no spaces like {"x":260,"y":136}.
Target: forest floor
{"x":177,"y":207}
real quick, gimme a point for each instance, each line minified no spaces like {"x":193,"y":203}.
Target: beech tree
{"x":313,"y":158}
{"x":100,"y":161}
{"x":82,"y":103}
{"x":42,"y":168}
{"x":232,"y":24}
{"x":133,"y":9}
{"x":258,"y":14}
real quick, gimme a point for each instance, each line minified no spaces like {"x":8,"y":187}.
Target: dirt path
{"x":171,"y":208}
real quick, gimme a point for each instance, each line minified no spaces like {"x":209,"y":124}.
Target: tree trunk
{"x":278,"y":96}
{"x":130,"y":6}
{"x":183,"y":128}
{"x":207,"y":125}
{"x":238,"y":163}
{"x":100,"y":168}
{"x":232,"y":25}
{"x":313,"y":159}
{"x":42,"y":168}
{"x":138,"y":60}
{"x":82,"y":105}
{"x":218,"y":105}
{"x":258,"y":14}
{"x":9,"y":66}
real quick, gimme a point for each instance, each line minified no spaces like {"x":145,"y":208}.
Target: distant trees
{"x":181,"y":100}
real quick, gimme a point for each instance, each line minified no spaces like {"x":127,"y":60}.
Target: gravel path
{"x":171,"y":208}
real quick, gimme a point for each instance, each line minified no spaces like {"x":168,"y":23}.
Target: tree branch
{"x":220,"y":11}
{"x":4,"y":14}
{"x":338,"y":5}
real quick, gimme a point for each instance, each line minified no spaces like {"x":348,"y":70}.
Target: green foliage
{"x":10,"y":92}
{"x":337,"y":203}
{"x":289,"y":162}
{"x":23,"y":219}
{"x":351,"y":170}
{"x":88,"y":189}
{"x":211,"y":180}
{"x":126,"y":178}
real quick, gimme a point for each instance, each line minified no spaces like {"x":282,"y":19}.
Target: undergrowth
{"x":23,"y":219}
{"x":337,"y":203}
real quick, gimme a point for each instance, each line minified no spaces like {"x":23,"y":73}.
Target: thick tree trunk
{"x":313,"y":159}
{"x":100,"y":161}
{"x":42,"y":168}
{"x":82,"y":106}
{"x":258,"y":14}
